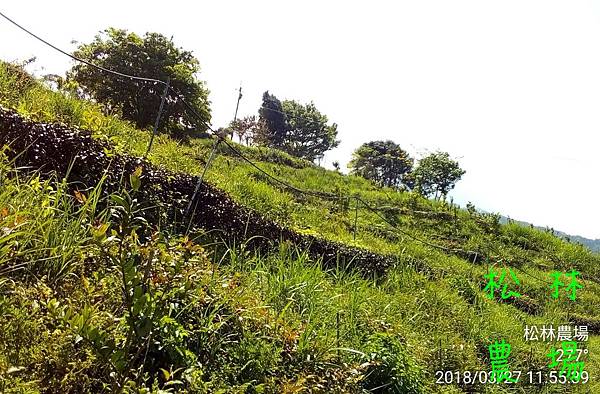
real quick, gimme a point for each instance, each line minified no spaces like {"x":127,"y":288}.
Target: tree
{"x":153,"y":56}
{"x":272,"y":116}
{"x":248,"y":129}
{"x":308,"y":135}
{"x":437,"y":174}
{"x":384,"y":162}
{"x":300,"y":130}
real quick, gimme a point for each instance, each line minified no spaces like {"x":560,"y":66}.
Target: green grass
{"x":431,"y":302}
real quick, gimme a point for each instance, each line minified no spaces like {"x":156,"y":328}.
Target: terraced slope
{"x":430,"y":300}
{"x":55,"y":149}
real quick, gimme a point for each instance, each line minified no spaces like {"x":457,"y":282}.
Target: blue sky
{"x":510,"y":88}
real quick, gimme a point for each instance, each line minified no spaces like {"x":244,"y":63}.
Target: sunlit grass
{"x":432,"y":299}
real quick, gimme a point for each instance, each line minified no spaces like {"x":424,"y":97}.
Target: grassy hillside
{"x":189,"y":319}
{"x":591,"y":244}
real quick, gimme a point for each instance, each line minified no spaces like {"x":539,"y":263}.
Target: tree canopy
{"x":299,"y":129}
{"x":437,"y":174}
{"x":274,"y":120}
{"x":152,"y":56}
{"x":384,"y":162}
{"x":308,"y":134}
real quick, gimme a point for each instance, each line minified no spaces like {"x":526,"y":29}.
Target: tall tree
{"x":152,"y":56}
{"x":437,"y":174}
{"x":308,"y":134}
{"x":272,"y":116}
{"x":300,"y":130}
{"x":384,"y":162}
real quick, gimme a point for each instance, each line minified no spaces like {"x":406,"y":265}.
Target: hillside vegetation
{"x":98,"y":296}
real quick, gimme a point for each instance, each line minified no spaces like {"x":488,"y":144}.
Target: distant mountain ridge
{"x":592,"y":244}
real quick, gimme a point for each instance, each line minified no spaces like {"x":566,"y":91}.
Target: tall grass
{"x":43,"y":226}
{"x":432,"y":301}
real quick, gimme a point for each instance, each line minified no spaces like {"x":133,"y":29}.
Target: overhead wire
{"x":329,"y":196}
{"x":124,"y":75}
{"x":190,"y":108}
{"x":402,"y":231}
{"x":290,"y":115}
{"x":135,"y":77}
{"x":194,"y":112}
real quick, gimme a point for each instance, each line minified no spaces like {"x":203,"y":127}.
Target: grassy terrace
{"x":431,"y":302}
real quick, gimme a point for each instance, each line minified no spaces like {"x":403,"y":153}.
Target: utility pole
{"x":236,"y":110}
{"x":355,"y":218}
{"x":160,"y":109}
{"x":238,"y":103}
{"x":197,"y":189}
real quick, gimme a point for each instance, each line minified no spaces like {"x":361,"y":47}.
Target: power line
{"x":376,"y":212}
{"x":313,"y":121}
{"x":106,"y":70}
{"x":130,"y":76}
{"x":79,"y":59}
{"x":290,"y":115}
{"x":328,"y":196}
